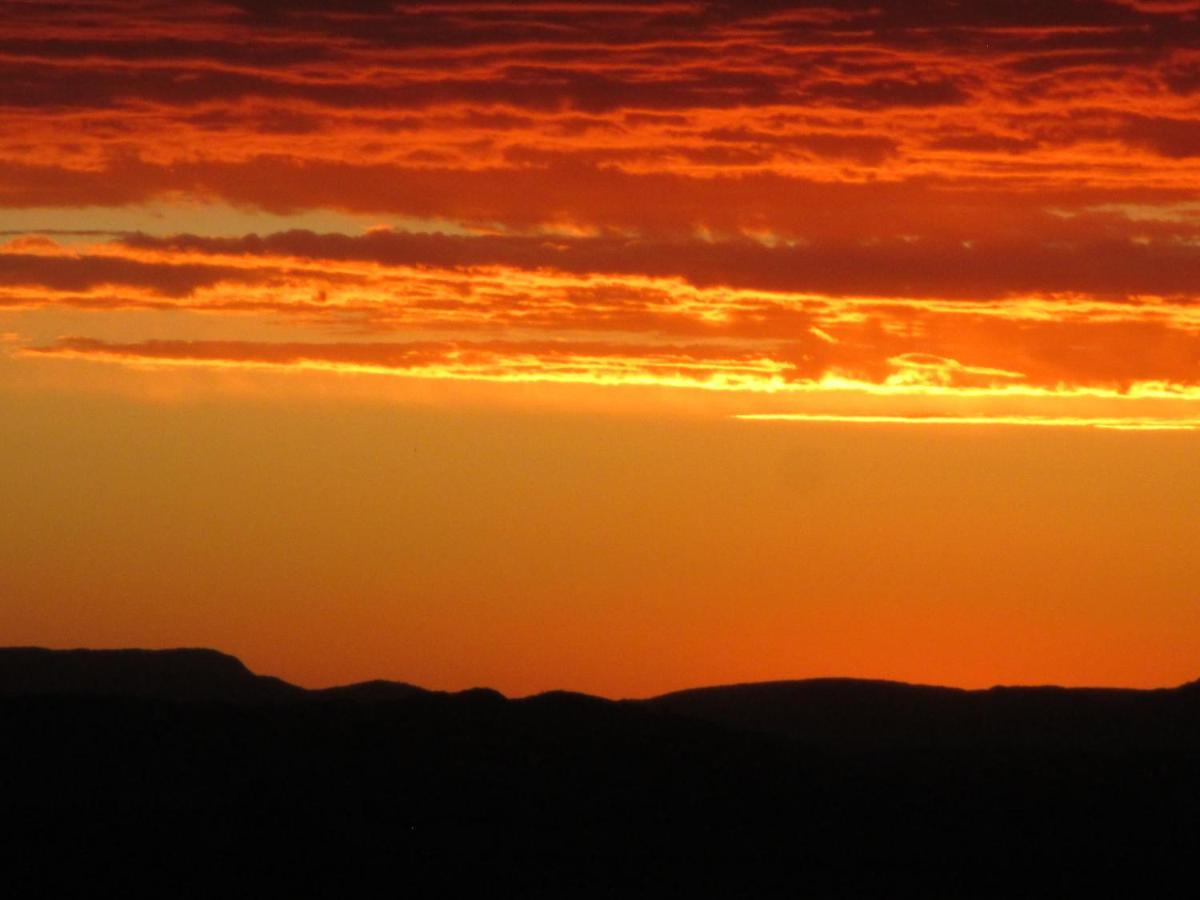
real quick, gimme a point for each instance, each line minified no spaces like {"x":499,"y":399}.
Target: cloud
{"x":503,"y":361}
{"x":474,"y":84}
{"x":1170,"y":137}
{"x":627,"y":301}
{"x":83,"y":273}
{"x":1083,"y":263}
{"x":741,"y":196}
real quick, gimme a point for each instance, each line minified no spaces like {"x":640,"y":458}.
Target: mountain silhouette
{"x":842,"y":713}
{"x":185,"y":674}
{"x":186,"y":773}
{"x":850,"y":713}
{"x":377,"y":691}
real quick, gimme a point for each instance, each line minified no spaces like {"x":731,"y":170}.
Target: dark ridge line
{"x":387,"y":689}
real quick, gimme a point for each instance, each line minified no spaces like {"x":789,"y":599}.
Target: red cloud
{"x":884,"y":191}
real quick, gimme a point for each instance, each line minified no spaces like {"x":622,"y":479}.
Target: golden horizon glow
{"x":1116,"y":424}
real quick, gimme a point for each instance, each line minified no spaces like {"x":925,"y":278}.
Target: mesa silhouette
{"x":161,"y":762}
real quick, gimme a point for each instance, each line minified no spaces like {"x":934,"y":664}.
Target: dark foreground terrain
{"x":182,"y":773}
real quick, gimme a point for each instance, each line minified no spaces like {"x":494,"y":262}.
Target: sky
{"x":611,"y":346}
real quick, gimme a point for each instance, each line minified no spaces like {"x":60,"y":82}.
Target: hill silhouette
{"x":185,"y":773}
{"x":184,"y":674}
{"x":850,"y":713}
{"x":842,"y":713}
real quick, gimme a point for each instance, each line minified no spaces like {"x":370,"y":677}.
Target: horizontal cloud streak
{"x":773,"y":304}
{"x":726,"y":370}
{"x":1090,"y":264}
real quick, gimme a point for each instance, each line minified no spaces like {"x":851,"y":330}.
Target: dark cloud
{"x":1173,"y":138}
{"x":1113,"y":268}
{"x":82,"y":273}
{"x":889,"y":92}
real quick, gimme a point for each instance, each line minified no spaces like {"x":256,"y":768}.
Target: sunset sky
{"x":618,"y":347}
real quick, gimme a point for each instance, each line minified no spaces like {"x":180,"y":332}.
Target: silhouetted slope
{"x":371,"y":692}
{"x":826,"y":712}
{"x":853,"y":713}
{"x":438,"y":794}
{"x":187,"y":674}
{"x":181,"y":674}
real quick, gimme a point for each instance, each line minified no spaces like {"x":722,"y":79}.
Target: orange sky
{"x":612,"y":346}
